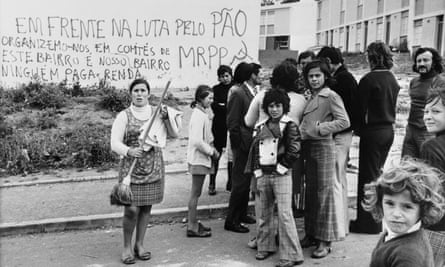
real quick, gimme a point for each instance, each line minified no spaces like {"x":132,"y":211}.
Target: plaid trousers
{"x":278,"y":188}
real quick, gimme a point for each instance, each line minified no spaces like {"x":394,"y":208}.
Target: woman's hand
{"x":163,"y":112}
{"x":135,"y":152}
{"x":215,"y":154}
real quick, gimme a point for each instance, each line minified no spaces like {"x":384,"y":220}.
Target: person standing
{"x":247,"y":75}
{"x":147,"y":178}
{"x":323,"y":116}
{"x":345,"y":86}
{"x":304,"y":58}
{"x":200,"y":154}
{"x":275,"y":147}
{"x":219,"y":126}
{"x":428,"y":63}
{"x":377,"y":98}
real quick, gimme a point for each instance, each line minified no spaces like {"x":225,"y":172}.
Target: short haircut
{"x":139,"y":81}
{"x":285,"y":76}
{"x":224,"y":69}
{"x":277,"y":96}
{"x":437,"y":59}
{"x":379,"y":55}
{"x":332,"y":53}
{"x":306,"y":54}
{"x":244,"y":71}
{"x":421,"y":180}
{"x":324,"y":68}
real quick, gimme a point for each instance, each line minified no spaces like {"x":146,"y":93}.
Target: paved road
{"x":169,"y":247}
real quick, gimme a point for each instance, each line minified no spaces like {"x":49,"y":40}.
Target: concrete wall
{"x":370,"y":8}
{"x":270,"y":58}
{"x":281,"y":21}
{"x":433,"y":5}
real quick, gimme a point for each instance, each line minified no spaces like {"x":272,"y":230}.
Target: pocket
{"x":145,"y":164}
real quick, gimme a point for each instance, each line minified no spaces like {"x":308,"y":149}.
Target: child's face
{"x":225,"y":78}
{"x":434,"y":116}
{"x":275,"y":110}
{"x":316,"y":78}
{"x":205,"y":103}
{"x":400,"y":212}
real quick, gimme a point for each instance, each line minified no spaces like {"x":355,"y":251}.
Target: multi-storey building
{"x":403,"y":24}
{"x":288,"y":25}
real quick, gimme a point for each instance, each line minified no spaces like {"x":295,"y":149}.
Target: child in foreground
{"x":405,"y":198}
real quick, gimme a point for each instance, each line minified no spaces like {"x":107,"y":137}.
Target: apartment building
{"x":287,"y":25}
{"x":403,"y":24}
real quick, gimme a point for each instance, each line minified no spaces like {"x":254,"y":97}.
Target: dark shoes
{"x":203,"y":228}
{"x":212,"y":191}
{"x":237,"y":228}
{"x":308,"y":241}
{"x":199,"y":233}
{"x":288,"y":263}
{"x":248,"y":219}
{"x":321,"y":252}
{"x":262,"y":255}
{"x":145,"y":256}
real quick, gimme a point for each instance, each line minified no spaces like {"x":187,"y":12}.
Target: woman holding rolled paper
{"x":147,"y":176}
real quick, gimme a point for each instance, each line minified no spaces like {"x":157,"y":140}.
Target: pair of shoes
{"x":288,"y":263}
{"x":252,"y":243}
{"x":262,"y":255}
{"x":248,"y":219}
{"x":128,"y":260}
{"x":203,"y":228}
{"x":191,"y":233}
{"x":145,"y":256}
{"x":321,"y":253}
{"x":212,"y":191}
{"x":237,"y":228}
{"x":308,"y":242}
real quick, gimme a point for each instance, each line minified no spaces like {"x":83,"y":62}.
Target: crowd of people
{"x":288,"y":147}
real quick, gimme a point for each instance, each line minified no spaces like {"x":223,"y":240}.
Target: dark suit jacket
{"x":237,"y":106}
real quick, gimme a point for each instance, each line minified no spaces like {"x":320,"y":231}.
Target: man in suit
{"x":346,"y":86}
{"x":247,"y":77}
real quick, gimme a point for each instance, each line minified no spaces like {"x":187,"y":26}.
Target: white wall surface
{"x":184,"y":41}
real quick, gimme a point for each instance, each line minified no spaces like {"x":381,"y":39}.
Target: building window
{"x":341,"y":38}
{"x":318,"y":38}
{"x":358,"y":35}
{"x":380,"y":6}
{"x":262,"y":29}
{"x":281,"y":42}
{"x":319,"y":9}
{"x":342,"y":11}
{"x":405,"y":3}
{"x":379,"y":36}
{"x":404,"y":24}
{"x":417,"y":32}
{"x":326,"y":38}
{"x":418,"y":7}
{"x":318,"y":24}
{"x":359,"y":9}
{"x":403,"y":44}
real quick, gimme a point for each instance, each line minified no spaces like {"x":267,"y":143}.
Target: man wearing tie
{"x":247,"y":76}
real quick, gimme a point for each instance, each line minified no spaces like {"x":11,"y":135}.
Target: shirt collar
{"x":390,"y":234}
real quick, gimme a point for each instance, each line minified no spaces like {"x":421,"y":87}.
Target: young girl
{"x":274,"y":149}
{"x":323,"y":115}
{"x":200,"y":152}
{"x":405,"y":198}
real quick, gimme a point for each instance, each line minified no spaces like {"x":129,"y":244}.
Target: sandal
{"x":128,"y":260}
{"x":145,"y":256}
{"x":321,"y":253}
